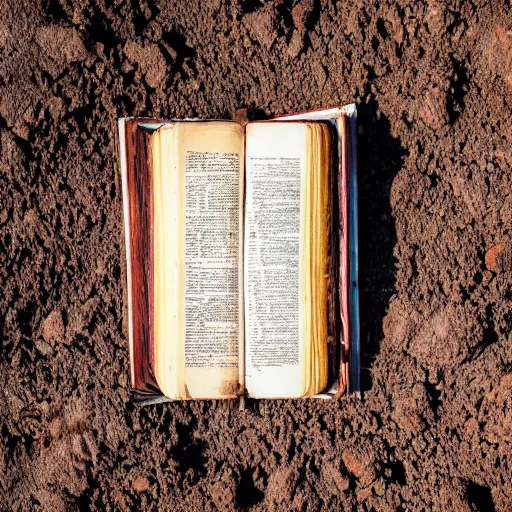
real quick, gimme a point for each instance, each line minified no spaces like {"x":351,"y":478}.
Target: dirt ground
{"x":433,"y":84}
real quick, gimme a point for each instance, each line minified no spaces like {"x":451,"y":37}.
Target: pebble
{"x":140,"y":484}
{"x":433,"y":110}
{"x":499,"y":257}
{"x":53,"y":326}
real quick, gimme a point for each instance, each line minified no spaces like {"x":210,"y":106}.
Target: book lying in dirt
{"x":241,"y":250}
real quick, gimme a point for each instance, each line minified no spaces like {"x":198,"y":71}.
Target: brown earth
{"x":433,"y":84}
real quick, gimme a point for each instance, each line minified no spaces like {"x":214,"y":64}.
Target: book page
{"x":212,"y":156}
{"x":275,"y":169}
{"x":198,"y":193}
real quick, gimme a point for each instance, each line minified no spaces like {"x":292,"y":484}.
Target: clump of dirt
{"x":432,"y":81}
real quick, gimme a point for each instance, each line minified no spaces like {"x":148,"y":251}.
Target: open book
{"x":241,"y":245}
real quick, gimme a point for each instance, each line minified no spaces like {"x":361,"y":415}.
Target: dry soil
{"x":433,"y":85}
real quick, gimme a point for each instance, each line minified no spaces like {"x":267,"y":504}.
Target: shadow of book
{"x":380,"y":157}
